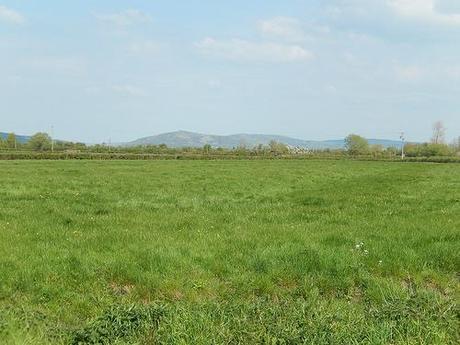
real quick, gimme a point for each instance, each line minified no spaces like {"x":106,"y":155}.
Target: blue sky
{"x":119,"y":70}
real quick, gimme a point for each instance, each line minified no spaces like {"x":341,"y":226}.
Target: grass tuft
{"x":120,"y":323}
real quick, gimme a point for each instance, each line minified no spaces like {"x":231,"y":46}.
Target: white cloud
{"x":282,"y":27}
{"x":70,"y":66}
{"x":11,"y":16}
{"x":409,"y":73}
{"x":214,"y":84}
{"x":128,"y":90}
{"x":428,"y":72}
{"x":448,"y":6}
{"x":453,"y":71}
{"x":144,"y":47}
{"x":125,"y":18}
{"x":435,"y":12}
{"x":291,"y":29}
{"x":432,"y":11}
{"x":243,"y":50}
{"x":119,"y":89}
{"x":92,"y":89}
{"x":330,"y":88}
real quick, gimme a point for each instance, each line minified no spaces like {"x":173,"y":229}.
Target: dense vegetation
{"x":214,"y":252}
{"x":41,"y":146}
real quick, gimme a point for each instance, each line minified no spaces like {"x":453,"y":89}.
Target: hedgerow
{"x":31,"y":155}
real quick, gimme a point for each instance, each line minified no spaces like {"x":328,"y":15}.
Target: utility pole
{"x":403,"y":139}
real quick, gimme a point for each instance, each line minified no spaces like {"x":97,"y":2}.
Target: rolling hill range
{"x":180,"y":139}
{"x":190,"y":139}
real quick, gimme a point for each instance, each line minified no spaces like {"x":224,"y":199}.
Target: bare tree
{"x":439,"y":133}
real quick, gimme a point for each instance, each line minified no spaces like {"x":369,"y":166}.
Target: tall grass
{"x":227,"y":252}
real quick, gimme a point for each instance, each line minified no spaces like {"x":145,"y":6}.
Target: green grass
{"x":229,"y":252}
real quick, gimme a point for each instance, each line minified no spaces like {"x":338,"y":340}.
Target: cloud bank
{"x":8,"y":15}
{"x":243,"y":50}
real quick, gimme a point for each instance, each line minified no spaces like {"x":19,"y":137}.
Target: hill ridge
{"x":184,"y":138}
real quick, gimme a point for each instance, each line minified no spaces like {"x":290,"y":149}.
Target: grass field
{"x":197,"y":252}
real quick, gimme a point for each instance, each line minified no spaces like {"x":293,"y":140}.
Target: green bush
{"x":428,"y":150}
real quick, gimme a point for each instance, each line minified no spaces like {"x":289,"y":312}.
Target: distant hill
{"x":20,"y":138}
{"x":190,"y":139}
{"x":181,"y":139}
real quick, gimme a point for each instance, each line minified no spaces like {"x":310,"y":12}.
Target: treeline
{"x":43,"y":143}
{"x":39,"y":142}
{"x":42,"y":146}
{"x":437,"y":147}
{"x":357,"y":145}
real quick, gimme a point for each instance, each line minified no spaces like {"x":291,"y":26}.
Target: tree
{"x":40,"y":142}
{"x":11,"y":141}
{"x":456,"y":144}
{"x":376,"y":150}
{"x":439,"y":133}
{"x":207,"y":148}
{"x":278,"y":148}
{"x":392,"y":151}
{"x":356,"y":145}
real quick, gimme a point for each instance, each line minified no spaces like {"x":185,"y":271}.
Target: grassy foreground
{"x":229,"y":252}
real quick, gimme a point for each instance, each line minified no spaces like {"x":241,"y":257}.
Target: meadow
{"x":229,"y":252}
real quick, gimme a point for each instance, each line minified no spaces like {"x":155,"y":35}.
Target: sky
{"x":110,"y":70}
